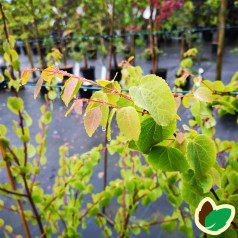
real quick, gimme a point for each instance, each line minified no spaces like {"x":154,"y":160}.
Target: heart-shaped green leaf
{"x":154,"y":95}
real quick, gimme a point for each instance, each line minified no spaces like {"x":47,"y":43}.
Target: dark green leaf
{"x":167,"y":159}
{"x":202,"y":154}
{"x":152,"y":133}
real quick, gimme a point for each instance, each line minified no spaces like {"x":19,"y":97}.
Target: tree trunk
{"x":85,"y":62}
{"x":37,"y":36}
{"x":182,"y":46}
{"x":111,"y":39}
{"x":152,"y":43}
{"x":133,"y":49}
{"x":29,"y":53}
{"x":221,"y":37}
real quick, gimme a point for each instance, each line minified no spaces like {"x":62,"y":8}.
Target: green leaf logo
{"x":213,"y":219}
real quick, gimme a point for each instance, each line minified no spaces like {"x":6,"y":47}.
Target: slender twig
{"x":14,"y":156}
{"x":82,"y":79}
{"x":214,"y":194}
{"x":41,"y":145}
{"x":101,"y":224}
{"x":91,"y":207}
{"x":13,"y":210}
{"x":153,"y":223}
{"x":65,"y":185}
{"x":110,"y":104}
{"x":13,"y":192}
{"x":33,"y":206}
{"x":23,"y":132}
{"x":108,"y":219}
{"x":9,"y":232}
{"x":143,"y":195}
{"x":105,"y":164}
{"x":219,"y":154}
{"x":13,"y":186}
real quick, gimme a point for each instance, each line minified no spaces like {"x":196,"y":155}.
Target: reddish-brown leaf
{"x":92,"y":120}
{"x":70,"y":109}
{"x":69,"y":88}
{"x":78,"y":108}
{"x":38,"y":87}
{"x":180,"y":137}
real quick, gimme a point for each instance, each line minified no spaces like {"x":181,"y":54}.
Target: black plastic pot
{"x":88,"y":73}
{"x":3,"y":67}
{"x":68,"y":69}
{"x":161,"y":73}
{"x":85,"y":93}
{"x":18,"y":50}
{"x":77,"y":48}
{"x":34,"y":50}
{"x":24,"y":50}
{"x":3,"y":84}
{"x":207,"y":35}
{"x":214,"y":48}
{"x":231,"y":35}
{"x":115,"y":72}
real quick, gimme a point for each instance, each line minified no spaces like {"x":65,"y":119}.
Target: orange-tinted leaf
{"x":78,"y":106}
{"x":25,"y":76}
{"x":180,"y":137}
{"x":130,"y":58}
{"x":92,"y":120}
{"x":38,"y":87}
{"x":69,"y":90}
{"x":70,"y":109}
{"x":48,"y":74}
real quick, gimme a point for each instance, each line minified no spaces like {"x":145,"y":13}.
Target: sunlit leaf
{"x":38,"y":87}
{"x":129,"y":123}
{"x":15,"y":104}
{"x":71,"y":87}
{"x":25,"y":76}
{"x":203,"y":94}
{"x":154,"y":95}
{"x":92,"y":120}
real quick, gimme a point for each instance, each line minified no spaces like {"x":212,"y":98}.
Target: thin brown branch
{"x":14,"y":155}
{"x":33,"y":206}
{"x":13,"y":210}
{"x":91,"y":207}
{"x":153,"y":223}
{"x":23,"y":132}
{"x":143,"y":195}
{"x":110,"y":104}
{"x":13,"y":192}
{"x":13,"y":186}
{"x":83,"y":80}
{"x":108,"y":219}
{"x":41,"y":146}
